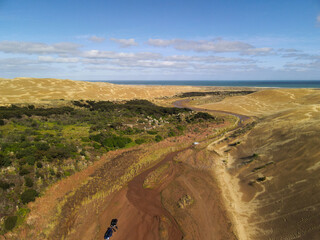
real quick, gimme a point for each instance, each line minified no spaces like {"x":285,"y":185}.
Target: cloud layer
{"x":125,"y":42}
{"x":181,"y":57}
{"x":38,"y":48}
{"x":216,"y":45}
{"x":96,"y":39}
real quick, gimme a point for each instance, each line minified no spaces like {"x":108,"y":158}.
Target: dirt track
{"x":141,"y":212}
{"x":145,"y":213}
{"x":148,"y":209}
{"x":148,"y":200}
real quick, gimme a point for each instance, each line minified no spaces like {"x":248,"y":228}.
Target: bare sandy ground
{"x":33,"y":90}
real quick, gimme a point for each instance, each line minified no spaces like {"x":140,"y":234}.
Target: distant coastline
{"x":229,"y":83}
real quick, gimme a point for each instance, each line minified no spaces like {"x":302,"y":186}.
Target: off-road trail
{"x":142,"y":214}
{"x":148,"y":200}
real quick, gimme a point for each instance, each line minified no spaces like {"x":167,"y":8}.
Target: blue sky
{"x":160,"y":39}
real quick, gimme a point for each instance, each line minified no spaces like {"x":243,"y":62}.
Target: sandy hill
{"x":280,"y":186}
{"x":265,"y":102}
{"x":32,"y":90}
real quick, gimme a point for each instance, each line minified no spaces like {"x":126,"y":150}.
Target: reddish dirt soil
{"x":141,"y":212}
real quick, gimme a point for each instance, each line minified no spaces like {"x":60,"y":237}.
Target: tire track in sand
{"x":148,"y":200}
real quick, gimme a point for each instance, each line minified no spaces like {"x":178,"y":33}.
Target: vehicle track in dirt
{"x":148,"y":200}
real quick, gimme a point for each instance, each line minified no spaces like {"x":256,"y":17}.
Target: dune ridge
{"x":42,"y":90}
{"x":274,"y":195}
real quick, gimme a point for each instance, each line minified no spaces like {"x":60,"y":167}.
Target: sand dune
{"x":279,"y":190}
{"x":34,"y":90}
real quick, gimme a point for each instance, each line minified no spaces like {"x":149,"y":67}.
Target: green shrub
{"x":5,"y":185}
{"x":42,"y":146}
{"x":111,"y":141}
{"x":30,"y":160}
{"x":203,"y":115}
{"x":181,"y":128}
{"x":158,"y":138}
{"x":52,"y":173}
{"x":23,"y":171}
{"x":139,"y":141}
{"x":4,"y":161}
{"x":28,"y":182}
{"x":39,"y":165}
{"x":29,"y":195}
{"x":85,"y":139}
{"x":2,"y":122}
{"x":171,"y":134}
{"x":151,"y":132}
{"x":67,"y":173}
{"x":26,"y":152}
{"x":10,"y":222}
{"x":96,"y":145}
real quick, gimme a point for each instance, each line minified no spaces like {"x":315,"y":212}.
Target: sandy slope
{"x":285,"y":204}
{"x":33,"y":90}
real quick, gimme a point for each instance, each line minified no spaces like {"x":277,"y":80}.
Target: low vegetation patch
{"x":215,"y":93}
{"x":40,"y":145}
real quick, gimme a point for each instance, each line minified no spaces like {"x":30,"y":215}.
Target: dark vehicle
{"x":114,"y":222}
{"x":113,"y":228}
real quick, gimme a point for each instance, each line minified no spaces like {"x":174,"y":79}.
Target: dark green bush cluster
{"x":4,"y":161}
{"x":139,"y":141}
{"x":28,"y":182}
{"x":110,"y":141}
{"x":143,"y":107}
{"x":29,"y":195}
{"x":10,"y":222}
{"x":216,"y":93}
{"x":5,"y":185}
{"x":18,"y":112}
{"x":158,"y":138}
{"x":202,"y":116}
{"x":152,"y":132}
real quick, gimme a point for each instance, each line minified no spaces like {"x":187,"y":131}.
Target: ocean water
{"x":229,"y":83}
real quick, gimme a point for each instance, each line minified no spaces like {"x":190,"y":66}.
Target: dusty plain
{"x":243,"y":181}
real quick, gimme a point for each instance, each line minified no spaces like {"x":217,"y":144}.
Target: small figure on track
{"x":113,"y":228}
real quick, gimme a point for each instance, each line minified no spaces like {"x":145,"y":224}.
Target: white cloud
{"x":215,"y":45}
{"x":38,"y":48}
{"x":302,"y":56}
{"x":96,"y":39}
{"x":288,"y":50}
{"x":125,"y":42}
{"x":303,"y":66}
{"x":120,"y":55}
{"x":258,"y":52}
{"x":208,"y":59}
{"x":50,"y":59}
